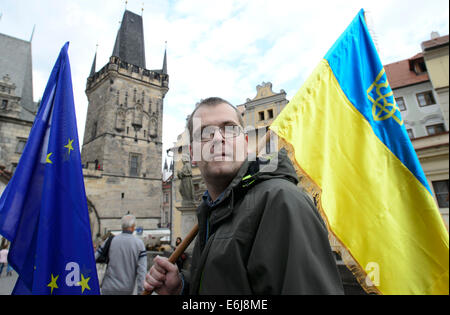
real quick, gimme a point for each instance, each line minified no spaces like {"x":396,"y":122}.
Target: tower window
{"x":135,"y":160}
{"x":94,"y":130}
{"x":20,"y":145}
{"x":270,"y":113}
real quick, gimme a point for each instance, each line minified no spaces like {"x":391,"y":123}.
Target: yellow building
{"x":436,"y":52}
{"x":258,"y":113}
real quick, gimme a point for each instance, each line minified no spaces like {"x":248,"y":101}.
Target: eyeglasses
{"x":227,"y":132}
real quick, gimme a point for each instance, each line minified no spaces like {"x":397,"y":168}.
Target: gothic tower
{"x":122,"y":146}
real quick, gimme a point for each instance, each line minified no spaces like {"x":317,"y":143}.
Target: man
{"x":258,"y":232}
{"x":127,"y":261}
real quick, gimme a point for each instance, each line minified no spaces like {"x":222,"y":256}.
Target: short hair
{"x":128,"y":221}
{"x":211,"y":101}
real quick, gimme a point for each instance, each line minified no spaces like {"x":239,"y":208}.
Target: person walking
{"x":127,"y":261}
{"x":4,"y":261}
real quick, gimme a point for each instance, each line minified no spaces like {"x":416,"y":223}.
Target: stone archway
{"x":94,"y":219}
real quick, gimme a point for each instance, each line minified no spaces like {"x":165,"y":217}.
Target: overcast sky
{"x":215,"y":48}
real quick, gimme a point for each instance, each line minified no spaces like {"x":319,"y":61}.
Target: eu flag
{"x":43,"y":210}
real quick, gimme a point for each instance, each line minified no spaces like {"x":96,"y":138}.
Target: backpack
{"x":104,"y":252}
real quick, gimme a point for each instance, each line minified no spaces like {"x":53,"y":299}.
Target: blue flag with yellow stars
{"x":43,"y":210}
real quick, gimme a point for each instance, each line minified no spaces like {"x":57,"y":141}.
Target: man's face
{"x":218,"y":153}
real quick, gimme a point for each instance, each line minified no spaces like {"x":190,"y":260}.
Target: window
{"x":166,"y":217}
{"x":135,"y":160}
{"x":20,"y":145}
{"x":94,"y":130}
{"x":261,"y":116}
{"x":270,"y":113}
{"x":166,"y":198}
{"x":435,"y":129}
{"x":441,"y":191}
{"x":401,"y":103}
{"x":426,"y":98}
{"x":4,"y":104}
{"x":419,"y":66}
{"x":410,"y":133}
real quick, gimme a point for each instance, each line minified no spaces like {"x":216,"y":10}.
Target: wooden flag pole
{"x":180,"y":250}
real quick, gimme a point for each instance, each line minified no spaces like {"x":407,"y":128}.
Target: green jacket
{"x":265,"y":236}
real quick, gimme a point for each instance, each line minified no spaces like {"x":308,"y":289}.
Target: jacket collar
{"x":214,"y":210}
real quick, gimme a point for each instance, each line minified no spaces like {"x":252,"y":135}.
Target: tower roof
{"x":93,"y":65}
{"x":164,"y":69}
{"x":129,"y":46}
{"x":16,"y":66}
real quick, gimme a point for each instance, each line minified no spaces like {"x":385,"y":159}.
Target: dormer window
{"x":420,"y":67}
{"x":417,"y":65}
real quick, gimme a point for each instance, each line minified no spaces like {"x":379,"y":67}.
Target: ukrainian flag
{"x":348,"y":138}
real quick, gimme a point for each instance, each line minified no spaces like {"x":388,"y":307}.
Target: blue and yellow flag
{"x":348,"y":138}
{"x":43,"y":210}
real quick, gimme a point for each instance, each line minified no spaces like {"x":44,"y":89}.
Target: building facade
{"x":258,"y":114}
{"x":435,"y":53}
{"x":122,"y":145}
{"x":424,"y":116}
{"x":17,"y":108}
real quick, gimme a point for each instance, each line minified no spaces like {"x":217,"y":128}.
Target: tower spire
{"x":164,"y":68}
{"x":129,"y":46}
{"x":94,"y":62}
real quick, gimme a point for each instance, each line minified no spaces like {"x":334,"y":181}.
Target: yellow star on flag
{"x":53,"y":284}
{"x":84,"y":283}
{"x":47,"y":160}
{"x":69,"y":145}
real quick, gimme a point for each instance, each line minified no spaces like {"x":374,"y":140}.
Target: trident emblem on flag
{"x":383,"y":105}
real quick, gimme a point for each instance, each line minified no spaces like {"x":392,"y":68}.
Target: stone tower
{"x":122,"y":146}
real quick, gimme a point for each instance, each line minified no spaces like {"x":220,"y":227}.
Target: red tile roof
{"x":400,"y":73}
{"x":434,"y":43}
